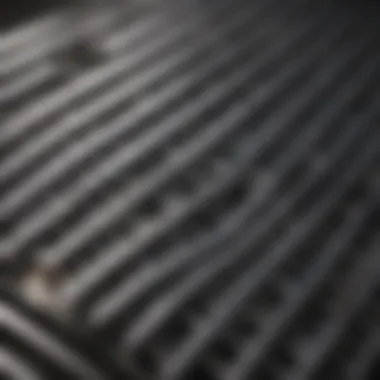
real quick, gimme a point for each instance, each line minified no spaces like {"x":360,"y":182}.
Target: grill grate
{"x":191,"y":189}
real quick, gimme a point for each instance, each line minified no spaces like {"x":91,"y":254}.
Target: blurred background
{"x":189,"y":189}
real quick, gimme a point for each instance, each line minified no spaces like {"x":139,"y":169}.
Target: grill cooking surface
{"x":189,"y":190}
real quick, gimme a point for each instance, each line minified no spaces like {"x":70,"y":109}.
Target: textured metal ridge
{"x":34,"y":347}
{"x":190,"y":190}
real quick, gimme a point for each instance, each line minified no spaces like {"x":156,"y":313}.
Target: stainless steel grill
{"x":190,"y":190}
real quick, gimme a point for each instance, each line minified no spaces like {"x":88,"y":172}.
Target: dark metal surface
{"x":191,"y":188}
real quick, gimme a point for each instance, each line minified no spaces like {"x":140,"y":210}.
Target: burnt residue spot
{"x":41,"y":289}
{"x":81,"y":55}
